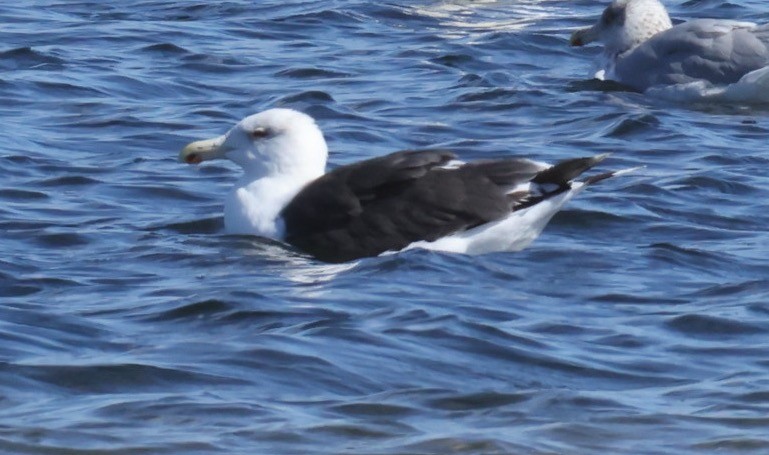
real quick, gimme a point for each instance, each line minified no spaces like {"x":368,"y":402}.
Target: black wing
{"x":387,"y":203}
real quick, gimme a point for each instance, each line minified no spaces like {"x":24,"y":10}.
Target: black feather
{"x":386,"y":203}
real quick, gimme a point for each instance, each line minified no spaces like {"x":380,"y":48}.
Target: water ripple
{"x":131,"y":323}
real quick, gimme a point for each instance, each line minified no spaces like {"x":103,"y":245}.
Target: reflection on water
{"x":483,"y":16}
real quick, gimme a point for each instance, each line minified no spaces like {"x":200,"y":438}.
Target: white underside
{"x":513,"y":233}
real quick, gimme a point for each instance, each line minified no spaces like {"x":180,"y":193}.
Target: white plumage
{"x":280,"y":150}
{"x":424,"y":199}
{"x":512,"y":233}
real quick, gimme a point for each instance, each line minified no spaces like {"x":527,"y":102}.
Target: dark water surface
{"x":130,"y":323}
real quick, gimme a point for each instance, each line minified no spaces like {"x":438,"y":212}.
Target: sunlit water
{"x":130,"y":323}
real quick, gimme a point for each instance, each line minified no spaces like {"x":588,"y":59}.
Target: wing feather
{"x":389,"y":202}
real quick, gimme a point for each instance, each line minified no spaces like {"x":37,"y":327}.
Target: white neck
{"x":287,"y":154}
{"x":253,"y":206}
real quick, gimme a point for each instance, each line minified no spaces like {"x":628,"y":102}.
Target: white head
{"x":271,"y":143}
{"x":624,"y":25}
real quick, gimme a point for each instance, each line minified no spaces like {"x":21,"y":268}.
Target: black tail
{"x":557,"y":179}
{"x":563,"y":172}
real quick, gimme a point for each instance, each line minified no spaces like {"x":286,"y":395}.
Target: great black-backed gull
{"x":643,"y":50}
{"x":407,"y":199}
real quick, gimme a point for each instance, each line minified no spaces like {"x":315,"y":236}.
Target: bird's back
{"x":390,"y":202}
{"x":715,"y":51}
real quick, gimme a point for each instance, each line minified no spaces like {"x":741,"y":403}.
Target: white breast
{"x":254,"y":208}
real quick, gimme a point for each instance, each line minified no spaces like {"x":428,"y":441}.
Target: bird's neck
{"x":642,"y":25}
{"x":253,"y":206}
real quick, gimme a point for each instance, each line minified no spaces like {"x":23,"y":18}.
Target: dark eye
{"x":260,"y":133}
{"x":608,"y":16}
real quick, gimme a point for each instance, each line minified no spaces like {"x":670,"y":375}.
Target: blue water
{"x":638,"y":323}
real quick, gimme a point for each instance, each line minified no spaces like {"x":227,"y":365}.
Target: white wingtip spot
{"x":628,"y":170}
{"x":453,"y":164}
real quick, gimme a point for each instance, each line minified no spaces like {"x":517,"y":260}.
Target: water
{"x":130,"y":323}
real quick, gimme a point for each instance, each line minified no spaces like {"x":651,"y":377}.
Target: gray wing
{"x":717,"y":51}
